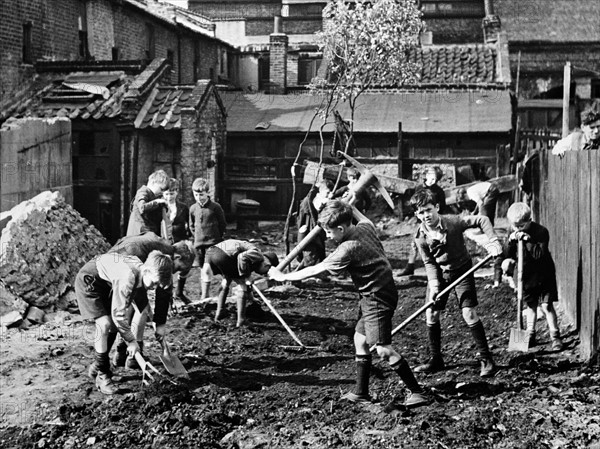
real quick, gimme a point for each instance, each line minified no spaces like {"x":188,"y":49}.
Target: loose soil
{"x":249,"y":389}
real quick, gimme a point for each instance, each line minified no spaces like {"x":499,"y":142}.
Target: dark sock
{"x":102,"y":361}
{"x":478,"y":333}
{"x":403,"y":370}
{"x":112,"y":336}
{"x":363,"y":372}
{"x":434,"y":331}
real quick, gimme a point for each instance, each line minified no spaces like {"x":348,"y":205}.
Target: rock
{"x":35,"y":315}
{"x":11,"y":319}
{"x":45,"y":243}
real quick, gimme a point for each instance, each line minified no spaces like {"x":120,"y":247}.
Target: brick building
{"x":137,"y":80}
{"x":101,"y":30}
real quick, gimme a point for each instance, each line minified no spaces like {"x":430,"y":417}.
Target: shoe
{"x":557,"y":344}
{"x":488,"y":368}
{"x":416,"y":400}
{"x":184,"y":299}
{"x":408,"y":270}
{"x":435,"y":364}
{"x":357,"y":398}
{"x":93,"y":371}
{"x":531,"y":340}
{"x":105,"y":384}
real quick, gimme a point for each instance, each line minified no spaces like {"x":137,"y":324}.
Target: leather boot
{"x":435,"y":362}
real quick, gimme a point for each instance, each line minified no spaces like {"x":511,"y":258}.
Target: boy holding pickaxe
{"x":361,"y":253}
{"x":442,"y":246}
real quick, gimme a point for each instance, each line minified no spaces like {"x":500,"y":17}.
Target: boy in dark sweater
{"x":147,"y":206}
{"x":235,"y":260}
{"x":539,"y":272}
{"x":361,"y":253}
{"x":441,"y":243}
{"x":207,"y":225}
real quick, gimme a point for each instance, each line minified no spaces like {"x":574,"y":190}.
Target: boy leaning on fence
{"x":539,"y":272}
{"x":588,"y":138}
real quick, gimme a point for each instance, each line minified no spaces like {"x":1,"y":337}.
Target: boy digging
{"x":539,"y":273}
{"x":441,"y":243}
{"x":105,"y":288}
{"x":361,"y":253}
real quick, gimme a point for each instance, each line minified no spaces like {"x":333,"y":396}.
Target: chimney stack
{"x":491,"y":23}
{"x":278,"y":49}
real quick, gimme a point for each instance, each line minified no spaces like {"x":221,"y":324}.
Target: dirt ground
{"x":248,"y":390}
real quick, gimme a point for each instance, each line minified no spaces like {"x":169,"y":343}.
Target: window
{"x":307,"y":70}
{"x":115,"y":53}
{"x":84,"y":52}
{"x":170,"y":56}
{"x":150,"y":42}
{"x":595,"y":88}
{"x":264,"y":71}
{"x":196,"y":61}
{"x":452,"y":8}
{"x":27,"y":43}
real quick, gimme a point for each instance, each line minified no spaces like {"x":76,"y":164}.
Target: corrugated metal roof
{"x":419,"y":112}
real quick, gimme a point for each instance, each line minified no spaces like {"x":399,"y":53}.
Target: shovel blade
{"x":519,"y":340}
{"x":173,"y":365}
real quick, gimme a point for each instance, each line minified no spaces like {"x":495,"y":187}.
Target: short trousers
{"x":222,"y":263}
{"x":93,"y":293}
{"x":465,"y":290}
{"x":375,"y":315}
{"x":534,"y":298}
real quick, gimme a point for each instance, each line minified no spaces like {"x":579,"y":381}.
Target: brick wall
{"x":202,"y":140}
{"x":101,"y":33}
{"x":455,"y":30}
{"x":54,"y":33}
{"x":292,"y":70}
{"x":220,"y":9}
{"x":278,"y":63}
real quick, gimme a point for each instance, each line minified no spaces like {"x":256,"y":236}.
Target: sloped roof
{"x":443,"y":111}
{"x":455,"y":64}
{"x":163,"y":107}
{"x":559,"y":21}
{"x":96,"y":95}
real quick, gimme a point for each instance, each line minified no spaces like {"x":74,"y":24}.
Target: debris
{"x":11,"y":318}
{"x":45,"y":244}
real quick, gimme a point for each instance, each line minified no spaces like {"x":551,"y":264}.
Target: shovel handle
{"x":272,"y":309}
{"x":519,"y":284}
{"x":428,"y":304}
{"x":299,"y":247}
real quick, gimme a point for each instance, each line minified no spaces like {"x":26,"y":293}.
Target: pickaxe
{"x":366,"y":179}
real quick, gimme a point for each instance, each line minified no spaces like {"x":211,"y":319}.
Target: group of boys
{"x":360,"y":253}
{"x":112,"y":289}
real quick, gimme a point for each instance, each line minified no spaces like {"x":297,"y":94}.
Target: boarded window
{"x":307,"y":70}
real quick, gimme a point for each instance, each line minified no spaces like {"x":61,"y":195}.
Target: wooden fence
{"x":570,"y":209}
{"x":35,"y":155}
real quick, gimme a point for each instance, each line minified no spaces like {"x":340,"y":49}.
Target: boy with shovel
{"x":361,"y":253}
{"x":141,"y":246}
{"x":442,"y":246}
{"x":235,"y":260}
{"x":539,"y":272}
{"x":105,"y":289}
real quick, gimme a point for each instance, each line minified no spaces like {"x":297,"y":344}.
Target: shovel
{"x":519,"y":339}
{"x":171,"y":362}
{"x":428,"y":304}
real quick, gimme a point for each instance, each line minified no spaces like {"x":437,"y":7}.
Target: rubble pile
{"x":44,"y":244}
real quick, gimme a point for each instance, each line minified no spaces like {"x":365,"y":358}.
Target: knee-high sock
{"x":363,"y":372}
{"x":478,"y":333}
{"x":406,"y":374}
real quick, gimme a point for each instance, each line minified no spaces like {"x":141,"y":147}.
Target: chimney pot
{"x":277,"y":25}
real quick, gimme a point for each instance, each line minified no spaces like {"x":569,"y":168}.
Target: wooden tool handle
{"x":519,"y":284}
{"x":299,"y":247}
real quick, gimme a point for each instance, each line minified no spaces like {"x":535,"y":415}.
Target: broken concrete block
{"x":35,"y":315}
{"x":11,"y":319}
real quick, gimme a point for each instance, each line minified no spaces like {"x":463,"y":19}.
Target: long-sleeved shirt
{"x":207,"y":223}
{"x":146,"y":213}
{"x":124,"y":275}
{"x":362,"y":254}
{"x":539,"y":272}
{"x":448,"y":253}
{"x":246,"y":254}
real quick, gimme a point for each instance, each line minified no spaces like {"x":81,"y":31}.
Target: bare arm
{"x":305,"y":273}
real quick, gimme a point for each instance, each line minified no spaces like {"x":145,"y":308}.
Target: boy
{"x":539,"y":273}
{"x":147,"y":206}
{"x":207,"y":225}
{"x":430,"y":181}
{"x":179,"y":217}
{"x":140,"y":246}
{"x":441,"y":243}
{"x":235,"y":260}
{"x":361,"y":253}
{"x":105,"y":288}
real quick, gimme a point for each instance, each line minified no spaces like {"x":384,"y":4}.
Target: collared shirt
{"x":448,"y":252}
